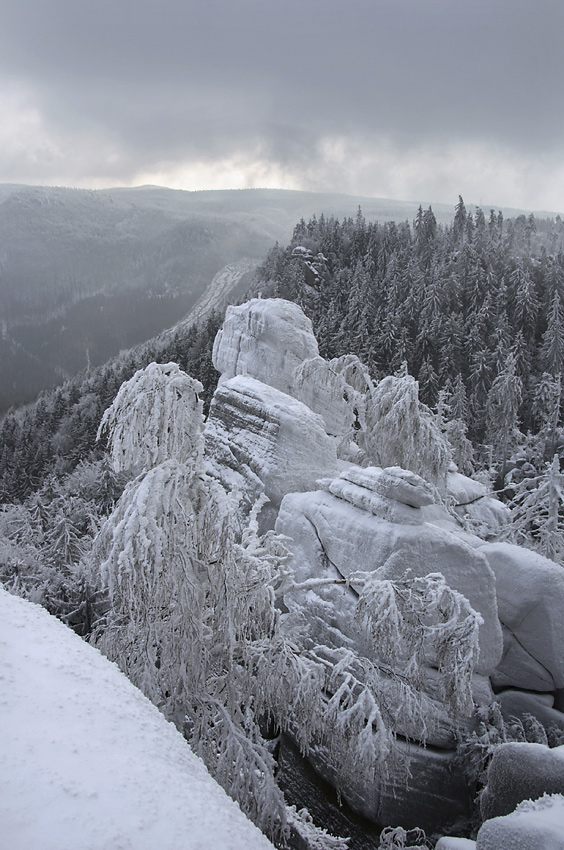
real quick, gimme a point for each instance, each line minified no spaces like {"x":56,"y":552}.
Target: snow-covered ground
{"x":86,"y":761}
{"x":215,"y":294}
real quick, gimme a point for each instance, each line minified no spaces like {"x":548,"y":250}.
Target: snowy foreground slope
{"x":86,"y":761}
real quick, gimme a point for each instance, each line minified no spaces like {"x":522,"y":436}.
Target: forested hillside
{"x":475,"y":309}
{"x":85,"y":274}
{"x":468,"y":307}
{"x":306,"y":469}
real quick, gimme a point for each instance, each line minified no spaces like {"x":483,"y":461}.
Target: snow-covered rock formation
{"x":272,"y":341}
{"x":536,"y":824}
{"x":520,"y":771}
{"x":265,"y":339}
{"x":370,"y":519}
{"x":286,"y":423}
{"x":261,"y":440}
{"x":530,"y":599}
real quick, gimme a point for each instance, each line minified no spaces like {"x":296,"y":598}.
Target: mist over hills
{"x":86,"y":273}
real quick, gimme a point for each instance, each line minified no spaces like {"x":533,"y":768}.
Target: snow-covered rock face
{"x":323,"y":388}
{"x":272,"y":341}
{"x":371,"y":519}
{"x":475,"y":506}
{"x":265,"y":339}
{"x":522,"y":704}
{"x":538,"y":825}
{"x":259,"y":439}
{"x":530,"y":597}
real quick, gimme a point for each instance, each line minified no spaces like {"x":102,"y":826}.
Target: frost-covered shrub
{"x":401,"y":431}
{"x":157,"y":415}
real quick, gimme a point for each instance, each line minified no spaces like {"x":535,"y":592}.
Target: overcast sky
{"x":406,"y":99}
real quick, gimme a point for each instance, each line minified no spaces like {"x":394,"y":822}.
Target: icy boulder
{"x":260,"y":440}
{"x":530,"y":597}
{"x":264,"y":339}
{"x":372,"y":519}
{"x":534,"y":825}
{"x":479,"y":510}
{"x":520,"y":771}
{"x":431,"y":795}
{"x":522,"y":703}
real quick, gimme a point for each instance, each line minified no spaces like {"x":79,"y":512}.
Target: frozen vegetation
{"x":310,"y":566}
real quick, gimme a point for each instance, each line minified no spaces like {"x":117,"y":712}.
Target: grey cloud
{"x":188,"y":78}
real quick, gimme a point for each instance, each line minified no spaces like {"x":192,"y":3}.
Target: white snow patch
{"x":87,"y":761}
{"x":537,"y":824}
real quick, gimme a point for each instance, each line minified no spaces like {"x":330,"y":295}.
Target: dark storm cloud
{"x":170,"y":80}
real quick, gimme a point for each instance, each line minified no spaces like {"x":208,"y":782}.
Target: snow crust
{"x":537,"y":825}
{"x":448,"y":843}
{"x":86,"y":761}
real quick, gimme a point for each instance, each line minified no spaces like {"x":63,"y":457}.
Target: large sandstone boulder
{"x":265,"y":339}
{"x":520,"y":771}
{"x":325,"y":391}
{"x":431,"y":795}
{"x":369,"y":519}
{"x":260,"y":440}
{"x":530,"y":598}
{"x":272,"y":341}
{"x":475,"y":506}
{"x":520,"y":704}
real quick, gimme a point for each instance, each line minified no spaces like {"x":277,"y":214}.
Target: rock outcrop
{"x":261,"y":440}
{"x":370,"y":519}
{"x":530,"y":599}
{"x":475,"y":506}
{"x":290,"y":425}
{"x":522,"y":704}
{"x":520,"y":771}
{"x":535,"y":825}
{"x":434,"y":796}
{"x":266,"y":340}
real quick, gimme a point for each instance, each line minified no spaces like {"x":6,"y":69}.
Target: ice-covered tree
{"x":196,"y":622}
{"x":502,"y":411}
{"x":190,"y":599}
{"x":552,"y":349}
{"x":401,"y":431}
{"x":547,"y":404}
{"x":156,"y":415}
{"x":537,"y":516}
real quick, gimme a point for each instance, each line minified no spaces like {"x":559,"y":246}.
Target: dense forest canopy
{"x":465,"y":305}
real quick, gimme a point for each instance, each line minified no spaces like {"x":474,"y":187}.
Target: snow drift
{"x":87,"y":761}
